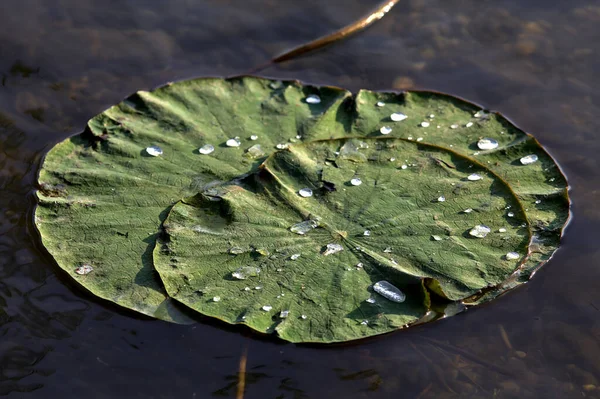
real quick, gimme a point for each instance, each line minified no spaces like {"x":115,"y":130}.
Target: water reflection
{"x":63,"y":62}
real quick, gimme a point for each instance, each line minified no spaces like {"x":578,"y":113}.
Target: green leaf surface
{"x":103,"y":199}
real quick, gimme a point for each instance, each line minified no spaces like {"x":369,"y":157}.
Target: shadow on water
{"x":62,"y":63}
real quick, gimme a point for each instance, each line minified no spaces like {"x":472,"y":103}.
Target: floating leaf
{"x":103,"y":199}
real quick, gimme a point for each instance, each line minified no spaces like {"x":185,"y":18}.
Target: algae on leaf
{"x":222,"y":211}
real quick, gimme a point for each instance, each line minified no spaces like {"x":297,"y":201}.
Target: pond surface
{"x":64,"y":61}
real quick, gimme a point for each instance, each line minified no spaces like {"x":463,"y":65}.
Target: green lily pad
{"x":103,"y":199}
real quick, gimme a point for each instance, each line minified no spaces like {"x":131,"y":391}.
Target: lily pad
{"x":105,"y":194}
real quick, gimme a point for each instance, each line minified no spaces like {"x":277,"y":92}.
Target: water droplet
{"x":431,"y":116}
{"x":294,"y":256}
{"x":261,"y":251}
{"x":304,"y":227}
{"x":510,"y":214}
{"x":235,"y":142}
{"x":216,"y":298}
{"x":469,"y":124}
{"x":359,"y":265}
{"x":258,"y":287}
{"x":480,"y":231}
{"x":529,"y":159}
{"x":367,"y":233}
{"x":364,"y":322}
{"x":441,"y":198}
{"x":404,"y":166}
{"x":206,"y":149}
{"x":512,"y":256}
{"x":487,"y":144}
{"x":332,"y":248}
{"x":84,"y":269}
{"x":299,"y":137}
{"x":154,"y":151}
{"x":468,"y":210}
{"x":398,"y":117}
{"x":424,"y":124}
{"x":281,"y":146}
{"x":305,"y":192}
{"x":236,"y":250}
{"x":538,"y":201}
{"x":303,"y":317}
{"x":245,"y":271}
{"x":420,"y":139}
{"x":313,"y":99}
{"x":388,"y":250}
{"x":370,"y":300}
{"x":474,"y":177}
{"x":246,"y":288}
{"x":255,"y":151}
{"x":392,"y":159}
{"x":267,"y":308}
{"x":380,"y":104}
{"x":284,"y":313}
{"x":502,"y":230}
{"x":385,"y":130}
{"x":356,"y":181}
{"x":436,"y":238}
{"x":481,"y":114}
{"x":454,"y":126}
{"x":254,"y":137}
{"x":389,"y":291}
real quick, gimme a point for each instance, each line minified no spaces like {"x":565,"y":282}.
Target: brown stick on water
{"x":241,"y":386}
{"x":375,"y":15}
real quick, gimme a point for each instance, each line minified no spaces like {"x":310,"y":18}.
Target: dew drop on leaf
{"x":474,"y":177}
{"x":304,"y":227}
{"x":84,"y":269}
{"x":356,"y":181}
{"x":385,"y":130}
{"x":206,"y":149}
{"x":233,"y":142}
{"x":154,"y":151}
{"x":313,"y":99}
{"x":332,"y":248}
{"x":512,"y":256}
{"x":487,"y":144}
{"x":255,"y":151}
{"x":267,"y":308}
{"x":480,"y":231}
{"x":245,"y":271}
{"x":529,"y":159}
{"x":398,"y":117}
{"x":305,"y":192}
{"x":389,"y":291}
{"x":235,"y":250}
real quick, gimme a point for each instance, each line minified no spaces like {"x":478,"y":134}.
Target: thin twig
{"x":241,"y":386}
{"x":505,"y":337}
{"x":379,"y":12}
{"x":470,"y":356}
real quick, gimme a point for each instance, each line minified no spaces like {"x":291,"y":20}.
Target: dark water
{"x":63,"y":61}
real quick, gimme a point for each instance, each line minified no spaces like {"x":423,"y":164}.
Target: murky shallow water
{"x":62,"y":62}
